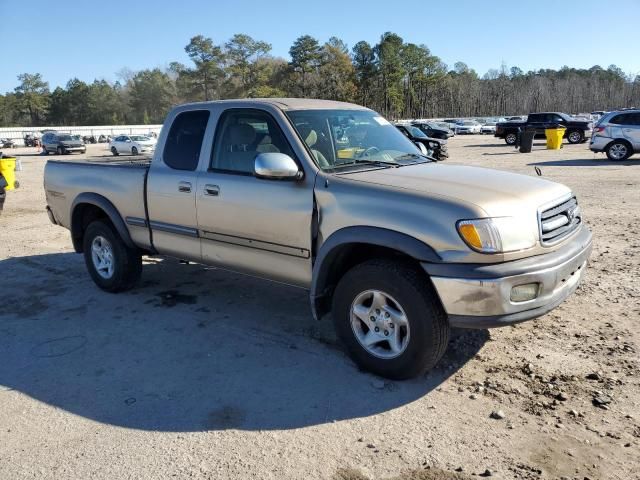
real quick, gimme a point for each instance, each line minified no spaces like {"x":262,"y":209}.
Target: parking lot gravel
{"x":202,"y":373}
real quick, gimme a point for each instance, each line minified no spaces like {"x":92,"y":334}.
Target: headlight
{"x":497,"y":235}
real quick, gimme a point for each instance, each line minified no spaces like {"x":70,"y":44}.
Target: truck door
{"x":249,"y":224}
{"x":171,"y":187}
{"x":538,"y":120}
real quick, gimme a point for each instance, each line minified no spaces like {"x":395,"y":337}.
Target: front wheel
{"x":389,"y":319}
{"x":60,"y":151}
{"x":114,"y":151}
{"x":511,"y":138}
{"x":113,"y":265}
{"x":134,"y":151}
{"x":575,"y":136}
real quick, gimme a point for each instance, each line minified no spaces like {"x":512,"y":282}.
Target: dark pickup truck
{"x":578,"y":131}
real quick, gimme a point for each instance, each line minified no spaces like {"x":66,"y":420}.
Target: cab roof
{"x":288,"y":103}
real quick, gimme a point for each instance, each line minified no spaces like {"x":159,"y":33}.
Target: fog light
{"x":523,"y":293}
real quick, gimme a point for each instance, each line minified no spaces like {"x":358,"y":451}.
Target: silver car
{"x":62,"y":143}
{"x":617,"y":134}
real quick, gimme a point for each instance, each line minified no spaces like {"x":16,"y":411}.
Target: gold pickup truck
{"x":332,"y":198}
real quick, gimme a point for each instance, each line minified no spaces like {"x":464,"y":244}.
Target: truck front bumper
{"x":480,"y":295}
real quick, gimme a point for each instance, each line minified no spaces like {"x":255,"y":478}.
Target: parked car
{"x":453,"y":123}
{"x":7,"y":143}
{"x":62,"y":143}
{"x":399,"y":249}
{"x":436,"y":148}
{"x":31,"y":140}
{"x":446,"y":127}
{"x":468,"y":127}
{"x":489,"y":127}
{"x":577,"y":131}
{"x":617,"y":134}
{"x":132,"y":144}
{"x":432,"y":130}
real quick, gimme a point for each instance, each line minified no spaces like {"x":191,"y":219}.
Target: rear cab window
{"x":184,"y":141}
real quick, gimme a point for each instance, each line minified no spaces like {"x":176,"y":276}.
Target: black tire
{"x":60,"y":151}
{"x":134,"y":151}
{"x":429,"y":327}
{"x":127,"y":262}
{"x":575,"y":136}
{"x":619,"y":150}
{"x":114,"y":151}
{"x":511,"y":138}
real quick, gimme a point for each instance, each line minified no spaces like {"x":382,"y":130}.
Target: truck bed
{"x":121,"y":182}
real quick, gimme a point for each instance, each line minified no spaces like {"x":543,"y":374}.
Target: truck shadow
{"x":191,"y":349}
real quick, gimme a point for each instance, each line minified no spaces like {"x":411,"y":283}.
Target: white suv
{"x":617,"y":134}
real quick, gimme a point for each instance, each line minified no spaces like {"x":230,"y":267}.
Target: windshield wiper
{"x":355,"y":161}
{"x":414,"y":156}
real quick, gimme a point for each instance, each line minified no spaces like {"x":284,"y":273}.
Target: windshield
{"x":346,"y":138}
{"x":65,"y":138}
{"x":469,"y":122}
{"x":416,"y":132}
{"x":139,"y":138}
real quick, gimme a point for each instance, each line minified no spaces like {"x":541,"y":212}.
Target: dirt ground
{"x":206,"y":374}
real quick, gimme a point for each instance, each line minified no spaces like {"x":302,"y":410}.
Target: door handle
{"x":212,"y":190}
{"x":184,"y":187}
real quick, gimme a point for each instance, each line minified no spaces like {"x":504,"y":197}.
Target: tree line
{"x":393,"y":77}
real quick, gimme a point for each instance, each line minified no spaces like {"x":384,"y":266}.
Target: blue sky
{"x":92,"y":40}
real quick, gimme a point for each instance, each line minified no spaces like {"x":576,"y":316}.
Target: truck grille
{"x":559,"y":221}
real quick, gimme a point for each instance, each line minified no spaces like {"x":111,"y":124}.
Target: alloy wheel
{"x":380,"y":324}
{"x":102,"y":257}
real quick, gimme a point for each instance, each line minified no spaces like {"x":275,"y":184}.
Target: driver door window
{"x":241,"y":137}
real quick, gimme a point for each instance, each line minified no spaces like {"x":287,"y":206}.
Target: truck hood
{"x":496,"y":192}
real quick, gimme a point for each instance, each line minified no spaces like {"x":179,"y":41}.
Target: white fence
{"x":18,"y":133}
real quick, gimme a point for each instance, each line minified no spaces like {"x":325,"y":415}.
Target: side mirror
{"x":276,"y":166}
{"x":422,"y":148}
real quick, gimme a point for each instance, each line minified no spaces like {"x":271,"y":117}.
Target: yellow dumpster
{"x":554,"y":137}
{"x":8,"y":171}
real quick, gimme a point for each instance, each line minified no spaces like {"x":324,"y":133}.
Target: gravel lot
{"x":207,"y":374}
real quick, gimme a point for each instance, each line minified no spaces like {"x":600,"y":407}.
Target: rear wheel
{"x":390,"y":319}
{"x":113,"y":265}
{"x":114,"y":151}
{"x":619,"y":150}
{"x":575,"y":136}
{"x":511,"y":138}
{"x":134,"y":151}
